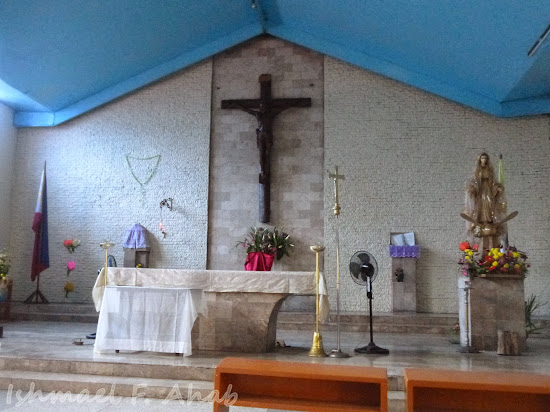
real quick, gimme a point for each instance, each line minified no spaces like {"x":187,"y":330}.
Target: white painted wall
{"x":8,"y":139}
{"x":93,"y":196}
{"x":406,"y":156}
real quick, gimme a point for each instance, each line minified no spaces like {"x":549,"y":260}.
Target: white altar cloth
{"x":148,"y":319}
{"x":297,"y":283}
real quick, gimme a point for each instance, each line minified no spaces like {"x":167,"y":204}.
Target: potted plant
{"x":263,"y":246}
{"x":5,"y":280}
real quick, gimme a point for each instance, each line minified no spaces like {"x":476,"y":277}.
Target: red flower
{"x":464,"y":245}
{"x":475,"y":248}
{"x":67,"y":243}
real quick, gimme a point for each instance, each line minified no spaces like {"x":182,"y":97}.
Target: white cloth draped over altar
{"x":148,"y":319}
{"x":296,"y":283}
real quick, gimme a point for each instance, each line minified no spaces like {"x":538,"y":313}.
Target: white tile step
{"x":103,"y":386}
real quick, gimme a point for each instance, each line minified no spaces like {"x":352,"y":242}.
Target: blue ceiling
{"x":60,"y":58}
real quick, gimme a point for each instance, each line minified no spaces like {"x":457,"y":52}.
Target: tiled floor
{"x":53,"y":340}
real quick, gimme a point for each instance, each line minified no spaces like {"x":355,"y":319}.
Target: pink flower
{"x":70,"y":266}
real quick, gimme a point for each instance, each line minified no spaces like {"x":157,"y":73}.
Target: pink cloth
{"x":259,"y":261}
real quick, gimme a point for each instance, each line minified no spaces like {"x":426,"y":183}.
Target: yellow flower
{"x":471,"y":253}
{"x":517,"y":266}
{"x":467,"y":250}
{"x":500,"y":254}
{"x":495,"y":263}
{"x":69,"y":287}
{"x":467,"y":257}
{"x":515,"y":255}
{"x":506,"y":265}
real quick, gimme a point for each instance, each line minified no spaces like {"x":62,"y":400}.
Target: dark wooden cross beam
{"x":264,"y":110}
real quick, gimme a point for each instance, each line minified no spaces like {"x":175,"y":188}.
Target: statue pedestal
{"x":496,"y":302}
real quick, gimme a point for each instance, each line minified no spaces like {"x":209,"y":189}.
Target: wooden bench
{"x":300,"y":386}
{"x":438,"y":390}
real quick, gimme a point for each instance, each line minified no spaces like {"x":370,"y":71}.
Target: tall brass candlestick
{"x":317,"y":345}
{"x":106,"y":245}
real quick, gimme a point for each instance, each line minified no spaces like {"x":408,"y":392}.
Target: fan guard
{"x":362,"y":266}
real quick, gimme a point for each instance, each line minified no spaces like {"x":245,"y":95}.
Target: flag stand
{"x":37,"y":294}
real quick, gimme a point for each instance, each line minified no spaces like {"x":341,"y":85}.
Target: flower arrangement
{"x":497,"y":260}
{"x":5,"y":264}
{"x":275,"y":242}
{"x":454,"y":333}
{"x":71,"y":245}
{"x":282,"y":243}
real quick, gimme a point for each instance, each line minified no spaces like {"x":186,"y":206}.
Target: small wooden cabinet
{"x":300,"y":386}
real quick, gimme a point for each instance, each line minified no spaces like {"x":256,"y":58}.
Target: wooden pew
{"x":439,"y":390}
{"x":300,"y":386}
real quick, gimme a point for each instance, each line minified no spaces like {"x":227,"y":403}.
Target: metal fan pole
{"x":337,"y":353}
{"x":367,"y":272}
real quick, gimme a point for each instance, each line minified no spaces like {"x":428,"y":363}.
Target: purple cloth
{"x":405,"y":251}
{"x":136,"y":238}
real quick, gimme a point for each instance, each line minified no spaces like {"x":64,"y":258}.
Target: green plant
{"x":282,"y":243}
{"x":5,"y":263}
{"x":531,"y":305}
{"x":260,"y":239}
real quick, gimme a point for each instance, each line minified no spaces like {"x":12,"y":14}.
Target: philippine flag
{"x":41,"y":254}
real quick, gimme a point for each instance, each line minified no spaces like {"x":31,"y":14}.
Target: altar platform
{"x":43,"y":354}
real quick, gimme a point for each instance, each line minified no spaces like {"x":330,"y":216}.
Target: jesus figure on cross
{"x":264,"y":110}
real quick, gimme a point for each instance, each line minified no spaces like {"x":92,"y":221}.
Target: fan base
{"x":337,"y":353}
{"x":372,"y":349}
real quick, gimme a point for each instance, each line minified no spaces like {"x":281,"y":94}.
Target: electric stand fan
{"x":364,"y":269}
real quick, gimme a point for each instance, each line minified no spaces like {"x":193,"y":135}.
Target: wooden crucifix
{"x":264,"y":110}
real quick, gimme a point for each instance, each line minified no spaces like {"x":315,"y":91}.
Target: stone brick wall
{"x":92,"y":194}
{"x":406,"y":156}
{"x":8,"y":135}
{"x":297,"y":154}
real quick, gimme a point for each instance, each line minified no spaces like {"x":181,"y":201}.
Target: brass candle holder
{"x":106,"y":245}
{"x":317,"y":345}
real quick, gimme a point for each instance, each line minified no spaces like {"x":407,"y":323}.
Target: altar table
{"x":148,"y":319}
{"x":242,"y":305}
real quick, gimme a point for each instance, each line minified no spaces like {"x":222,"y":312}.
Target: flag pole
{"x":40,"y":258}
{"x":37,"y":294}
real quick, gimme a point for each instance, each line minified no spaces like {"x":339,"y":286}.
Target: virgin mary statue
{"x":485,"y":205}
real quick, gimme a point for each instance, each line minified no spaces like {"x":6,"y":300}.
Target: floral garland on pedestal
{"x":497,"y":260}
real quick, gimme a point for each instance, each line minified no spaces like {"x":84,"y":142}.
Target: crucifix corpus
{"x":264,"y":110}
